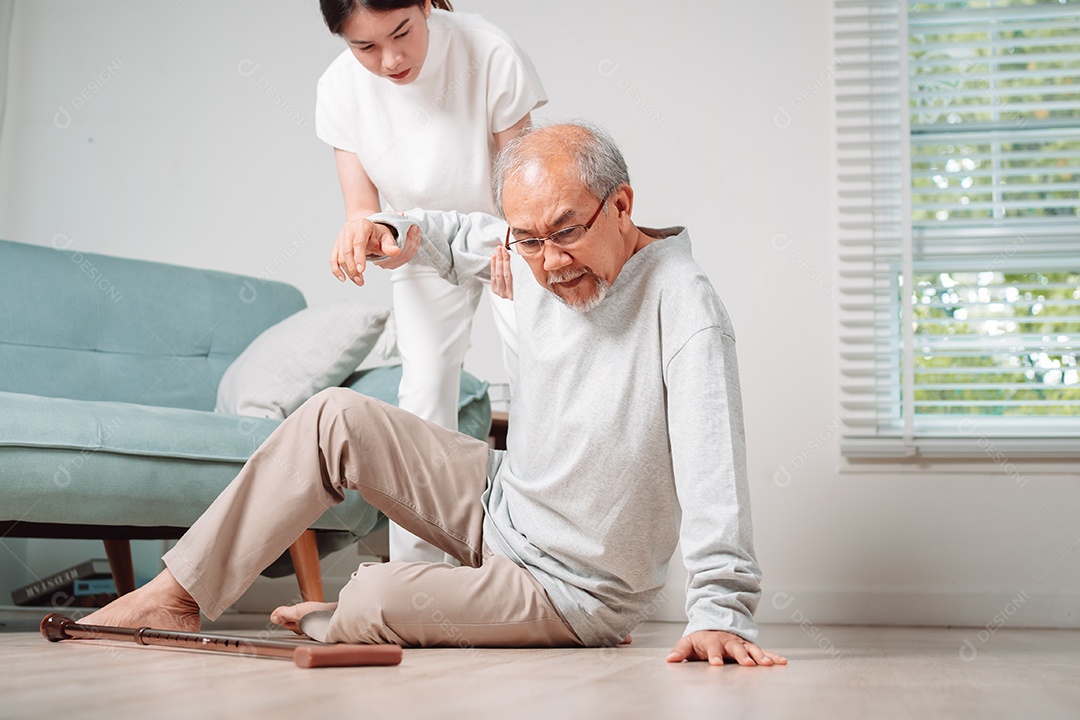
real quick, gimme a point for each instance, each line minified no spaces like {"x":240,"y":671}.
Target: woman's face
{"x":393,"y":44}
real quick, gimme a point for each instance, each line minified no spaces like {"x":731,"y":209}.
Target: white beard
{"x":580,"y":305}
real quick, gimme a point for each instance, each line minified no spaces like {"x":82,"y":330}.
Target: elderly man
{"x":627,"y":437}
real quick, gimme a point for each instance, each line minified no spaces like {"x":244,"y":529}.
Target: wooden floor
{"x":834,"y":672}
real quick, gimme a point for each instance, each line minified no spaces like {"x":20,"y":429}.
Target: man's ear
{"x":623,"y":202}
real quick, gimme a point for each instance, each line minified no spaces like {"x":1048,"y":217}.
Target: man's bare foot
{"x":162,"y":604}
{"x":289,"y":616}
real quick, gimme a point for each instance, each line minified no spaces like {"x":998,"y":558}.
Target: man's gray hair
{"x":599,"y":160}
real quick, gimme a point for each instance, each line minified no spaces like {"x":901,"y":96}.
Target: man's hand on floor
{"x":717,"y":645}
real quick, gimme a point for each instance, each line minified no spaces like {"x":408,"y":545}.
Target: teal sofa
{"x":109,"y":370}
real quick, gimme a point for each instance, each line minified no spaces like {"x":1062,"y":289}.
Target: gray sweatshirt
{"x":627,"y":436}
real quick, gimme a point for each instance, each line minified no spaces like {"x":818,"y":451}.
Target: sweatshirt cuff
{"x":726,"y":621}
{"x":398,"y":224}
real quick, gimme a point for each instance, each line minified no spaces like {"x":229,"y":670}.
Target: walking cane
{"x":57,"y":627}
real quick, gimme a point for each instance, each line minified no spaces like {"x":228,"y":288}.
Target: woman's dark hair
{"x":337,"y":12}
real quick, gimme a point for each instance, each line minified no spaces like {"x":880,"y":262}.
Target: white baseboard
{"x":929,"y":605}
{"x":966,"y":607}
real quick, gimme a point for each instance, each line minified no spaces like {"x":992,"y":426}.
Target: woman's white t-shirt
{"x":429,"y":144}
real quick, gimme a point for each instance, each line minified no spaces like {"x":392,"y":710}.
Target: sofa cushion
{"x":76,"y":462}
{"x":310,"y":351}
{"x":128,"y":429}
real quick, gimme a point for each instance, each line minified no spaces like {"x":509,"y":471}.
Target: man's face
{"x":547,"y":196}
{"x":392,"y":44}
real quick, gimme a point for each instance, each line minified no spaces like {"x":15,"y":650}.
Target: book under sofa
{"x":110,"y":373}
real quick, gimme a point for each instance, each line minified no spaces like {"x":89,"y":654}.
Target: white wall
{"x":724,"y":110}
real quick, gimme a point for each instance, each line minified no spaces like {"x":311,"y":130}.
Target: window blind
{"x":959,"y":226}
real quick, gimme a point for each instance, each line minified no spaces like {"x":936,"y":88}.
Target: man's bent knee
{"x":338,"y":398}
{"x":327,"y":405}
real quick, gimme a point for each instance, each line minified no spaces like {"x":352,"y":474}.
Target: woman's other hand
{"x":502,"y":282}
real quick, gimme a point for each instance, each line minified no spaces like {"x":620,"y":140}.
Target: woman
{"x":415,"y":109}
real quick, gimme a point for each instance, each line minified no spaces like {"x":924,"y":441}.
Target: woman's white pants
{"x":434,"y":323}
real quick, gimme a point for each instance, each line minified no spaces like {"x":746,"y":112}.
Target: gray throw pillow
{"x":307,"y":352}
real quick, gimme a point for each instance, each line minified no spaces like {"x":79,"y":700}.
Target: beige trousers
{"x":427,"y":479}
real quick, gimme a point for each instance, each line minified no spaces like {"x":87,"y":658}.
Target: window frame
{"x":877,"y":237}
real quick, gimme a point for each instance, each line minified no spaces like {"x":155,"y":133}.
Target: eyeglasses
{"x":564,"y":239}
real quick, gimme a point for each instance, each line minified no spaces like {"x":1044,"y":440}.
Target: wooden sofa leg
{"x":305,"y":559}
{"x":119,"y":554}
